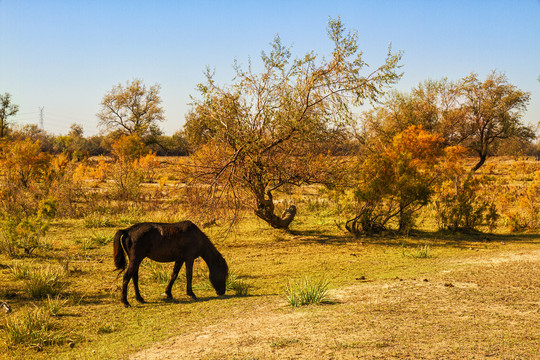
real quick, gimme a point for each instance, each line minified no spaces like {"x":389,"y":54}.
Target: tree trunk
{"x":481,"y":162}
{"x":265,"y":210}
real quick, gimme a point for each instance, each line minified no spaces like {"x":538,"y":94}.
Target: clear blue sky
{"x":66,"y":55}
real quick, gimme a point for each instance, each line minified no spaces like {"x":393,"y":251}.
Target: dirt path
{"x":489,"y":309}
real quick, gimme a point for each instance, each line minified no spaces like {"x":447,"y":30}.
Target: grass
{"x":40,"y":281}
{"x":158,"y":272}
{"x":307,"y":292}
{"x":264,"y":260}
{"x":239,"y":286}
{"x":54,"y":305}
{"x":32,"y":329}
{"x":98,"y":221}
{"x":420,"y":252}
{"x":45,"y":282}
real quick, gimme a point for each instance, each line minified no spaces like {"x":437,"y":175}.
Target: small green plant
{"x":307,"y":291}
{"x":157,"y":271}
{"x":421,"y":252}
{"x":86,"y":244}
{"x":45,"y":281}
{"x":21,"y":271}
{"x":283,"y":342}
{"x":101,"y":239}
{"x":33,"y":329}
{"x":240,"y":288}
{"x":237,"y":285}
{"x":106,"y":328}
{"x":54,"y":305}
{"x":97,"y":221}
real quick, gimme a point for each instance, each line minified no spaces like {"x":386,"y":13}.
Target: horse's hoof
{"x":141,"y":300}
{"x":127,"y":305}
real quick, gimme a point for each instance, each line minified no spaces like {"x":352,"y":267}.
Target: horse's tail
{"x":120,"y":249}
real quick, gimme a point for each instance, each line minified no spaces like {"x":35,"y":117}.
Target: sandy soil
{"x":486,"y":309}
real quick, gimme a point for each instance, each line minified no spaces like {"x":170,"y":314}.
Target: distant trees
{"x":470,"y":112}
{"x":7,"y":109}
{"x":268,"y":130}
{"x":493,"y":111}
{"x":132,"y":109}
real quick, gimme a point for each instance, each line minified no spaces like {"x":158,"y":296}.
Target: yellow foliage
{"x":98,"y":172}
{"x":148,"y":165}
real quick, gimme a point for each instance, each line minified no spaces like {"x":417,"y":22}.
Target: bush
{"x":524,"y":214}
{"x":24,"y":231}
{"x":459,"y":206}
{"x":396,"y":180}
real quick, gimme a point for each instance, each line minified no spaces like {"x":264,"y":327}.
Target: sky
{"x":64,"y":56}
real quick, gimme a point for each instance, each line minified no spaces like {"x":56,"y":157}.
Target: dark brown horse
{"x":180,"y":242}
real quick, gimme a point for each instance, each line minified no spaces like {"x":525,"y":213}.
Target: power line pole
{"x":41,"y":118}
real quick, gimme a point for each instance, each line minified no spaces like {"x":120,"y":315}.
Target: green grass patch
{"x":307,"y":291}
{"x":32,"y":329}
{"x":420,"y":252}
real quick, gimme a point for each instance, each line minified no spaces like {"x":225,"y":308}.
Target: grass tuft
{"x":239,"y":286}
{"x":54,"y":305}
{"x":421,"y":252}
{"x":21,"y":271}
{"x":158,"y":272}
{"x":101,"y":239}
{"x":45,"y":282}
{"x":98,"y":221}
{"x":106,"y":328}
{"x":306,"y":292}
{"x":33,"y":329}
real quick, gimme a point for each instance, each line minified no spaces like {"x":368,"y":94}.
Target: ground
{"x":476,"y":308}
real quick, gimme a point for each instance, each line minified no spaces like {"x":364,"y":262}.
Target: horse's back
{"x":167,"y":241}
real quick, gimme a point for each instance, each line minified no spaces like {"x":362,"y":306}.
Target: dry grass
{"x":476,"y":311}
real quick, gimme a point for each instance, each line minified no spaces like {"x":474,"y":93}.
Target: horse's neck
{"x":210,"y":254}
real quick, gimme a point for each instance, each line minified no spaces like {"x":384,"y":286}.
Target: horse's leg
{"x":189,"y":278}
{"x":127,"y":277}
{"x":138,"y":296}
{"x":176,"y":270}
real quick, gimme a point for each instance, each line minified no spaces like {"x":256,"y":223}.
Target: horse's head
{"x":218,"y":276}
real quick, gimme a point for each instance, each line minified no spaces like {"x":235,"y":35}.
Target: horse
{"x":181,"y":242}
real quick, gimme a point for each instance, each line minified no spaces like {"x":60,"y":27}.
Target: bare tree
{"x":494,"y":109}
{"x":7,"y":109}
{"x":132,"y":109}
{"x":271,"y":129}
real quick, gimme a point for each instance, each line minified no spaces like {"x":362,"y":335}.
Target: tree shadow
{"x":417,"y":237}
{"x":322,"y":237}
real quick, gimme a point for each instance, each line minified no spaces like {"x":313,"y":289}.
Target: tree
{"x":271,"y":129}
{"x":132,"y":109}
{"x":493,"y":111}
{"x":7,"y":109}
{"x":396,"y":179}
{"x":475,"y":114}
{"x":433,"y":104}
